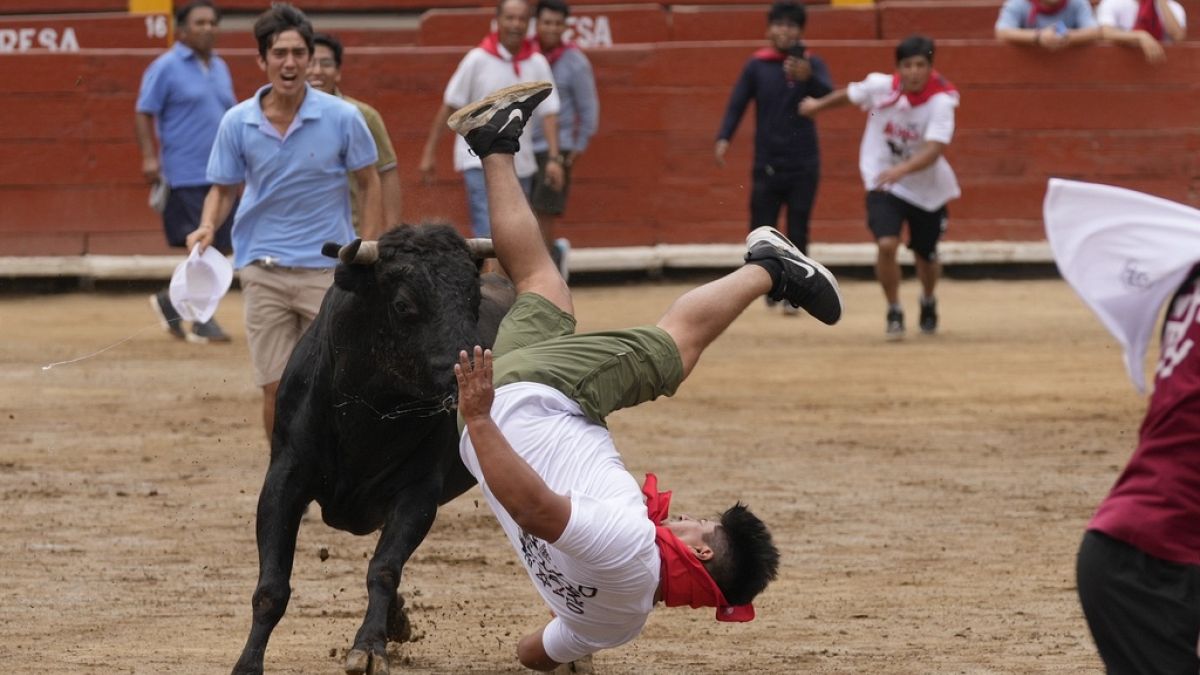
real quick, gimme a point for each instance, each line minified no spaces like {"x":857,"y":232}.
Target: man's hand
{"x":151,"y":170}
{"x":475,"y":393}
{"x":1151,"y":49}
{"x":202,"y":235}
{"x":1049,"y":39}
{"x":809,"y":106}
{"x":554,"y":174}
{"x":426,"y":168}
{"x":719,"y":152}
{"x":890,"y":175}
{"x":797,"y":69}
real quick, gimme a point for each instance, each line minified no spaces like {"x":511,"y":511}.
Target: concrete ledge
{"x":615,"y":259}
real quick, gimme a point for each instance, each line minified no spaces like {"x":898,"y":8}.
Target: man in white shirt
{"x":1145,"y":24}
{"x":909,"y":124}
{"x":599,"y":550}
{"x":504,"y":58}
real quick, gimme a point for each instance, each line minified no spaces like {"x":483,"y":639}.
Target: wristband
{"x":558,"y":159}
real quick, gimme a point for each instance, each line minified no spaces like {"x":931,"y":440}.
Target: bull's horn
{"x":359,"y":252}
{"x":481,"y":248}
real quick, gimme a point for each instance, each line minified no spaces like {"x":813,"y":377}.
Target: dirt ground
{"x":928,"y":497}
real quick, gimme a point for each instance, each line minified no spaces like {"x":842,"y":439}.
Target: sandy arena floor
{"x":928,"y":496}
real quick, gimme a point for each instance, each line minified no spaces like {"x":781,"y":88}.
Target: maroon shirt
{"x":1155,"y":505}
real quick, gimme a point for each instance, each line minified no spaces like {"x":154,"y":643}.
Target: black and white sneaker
{"x":171,"y":322}
{"x":805,"y":283}
{"x":895,"y":325}
{"x":493,"y":124}
{"x":209,"y":331}
{"x":929,"y":317}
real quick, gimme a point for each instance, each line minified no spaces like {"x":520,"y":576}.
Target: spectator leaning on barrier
{"x":578,"y":118}
{"x":291,"y":146}
{"x":184,"y":94}
{"x":325,"y":73}
{"x":910,"y":122}
{"x":504,"y":58}
{"x":786,"y":167}
{"x":1145,"y":24}
{"x":1049,"y":24}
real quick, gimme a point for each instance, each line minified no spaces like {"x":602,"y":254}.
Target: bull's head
{"x":362,"y":252}
{"x":412,"y":303}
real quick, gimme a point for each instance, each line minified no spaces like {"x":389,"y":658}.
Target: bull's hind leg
{"x":280,"y":507}
{"x":407,"y":524}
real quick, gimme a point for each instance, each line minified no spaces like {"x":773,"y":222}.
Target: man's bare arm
{"x":372,"y":202}
{"x":389,"y":189}
{"x":536,"y":508}
{"x":217,"y":205}
{"x":531,"y":652}
{"x":428,"y":159}
{"x":143,"y":126}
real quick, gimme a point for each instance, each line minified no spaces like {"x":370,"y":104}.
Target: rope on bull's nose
{"x":427,"y":408}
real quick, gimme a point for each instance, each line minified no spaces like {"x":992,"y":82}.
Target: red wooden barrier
{"x":72,"y":32}
{"x":700,"y":23}
{"x":589,"y":26}
{"x":1094,"y":114}
{"x":945,"y":19}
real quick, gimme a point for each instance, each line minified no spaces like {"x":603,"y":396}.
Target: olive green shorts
{"x":602,"y":371}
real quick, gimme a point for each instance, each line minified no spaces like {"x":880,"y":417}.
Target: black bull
{"x":365,"y":422}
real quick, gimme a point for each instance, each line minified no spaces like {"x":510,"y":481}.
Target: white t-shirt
{"x":479,"y":74}
{"x":897,"y":132}
{"x":1123,"y":14}
{"x":600,"y":577}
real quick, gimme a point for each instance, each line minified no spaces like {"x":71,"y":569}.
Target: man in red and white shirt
{"x":504,"y":58}
{"x":910,"y":122}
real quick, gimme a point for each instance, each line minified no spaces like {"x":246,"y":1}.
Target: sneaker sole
{"x":776,"y":239}
{"x":162,"y":319}
{"x":467,"y":118}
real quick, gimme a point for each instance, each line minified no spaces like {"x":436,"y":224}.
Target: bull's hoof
{"x":399,"y":628}
{"x":362,"y":662}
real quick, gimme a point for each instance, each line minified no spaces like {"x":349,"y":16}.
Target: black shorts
{"x":886,"y":213}
{"x":181,"y":217}
{"x":1143,"y":611}
{"x":544,"y":198}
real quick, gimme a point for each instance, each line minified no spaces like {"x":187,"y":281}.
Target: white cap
{"x":199,"y":283}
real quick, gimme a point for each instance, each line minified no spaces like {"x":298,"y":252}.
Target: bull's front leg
{"x":407,"y":524}
{"x":280,"y":508}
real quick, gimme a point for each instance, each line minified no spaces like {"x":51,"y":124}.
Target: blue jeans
{"x":477,"y":204}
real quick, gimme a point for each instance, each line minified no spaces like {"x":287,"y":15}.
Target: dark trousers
{"x":771,"y":189}
{"x":1143,"y":611}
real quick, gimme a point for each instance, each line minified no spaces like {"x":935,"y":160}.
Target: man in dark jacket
{"x":786,"y":160}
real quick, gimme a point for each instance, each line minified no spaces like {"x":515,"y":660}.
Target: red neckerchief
{"x":554,"y":54}
{"x":684,"y":579}
{"x":1039,"y":7}
{"x":936,"y":84}
{"x":770,"y":54}
{"x":491,"y":45}
{"x":1147,"y":20}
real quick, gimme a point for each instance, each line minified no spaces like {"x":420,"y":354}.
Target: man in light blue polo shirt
{"x":1049,"y":24}
{"x":291,"y":146}
{"x":183,"y":96}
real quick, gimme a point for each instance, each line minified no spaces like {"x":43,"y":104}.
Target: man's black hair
{"x":182,"y":14}
{"x":334,"y":45}
{"x":281,"y":18}
{"x":914,"y":45}
{"x":785,"y":10}
{"x":552,"y":6}
{"x":744,"y":558}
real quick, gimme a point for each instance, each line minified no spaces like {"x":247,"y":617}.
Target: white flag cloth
{"x":1125,"y":253}
{"x":199,"y":283}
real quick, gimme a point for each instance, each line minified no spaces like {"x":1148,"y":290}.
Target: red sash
{"x":1038,"y":7}
{"x":554,"y":54}
{"x":684,"y":579}
{"x":491,"y":45}
{"x":1147,"y":20}
{"x":935,"y":85}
